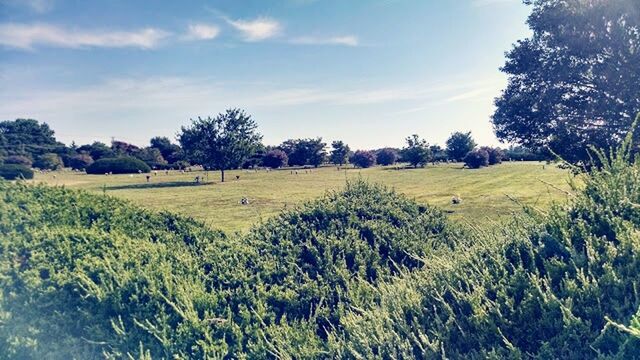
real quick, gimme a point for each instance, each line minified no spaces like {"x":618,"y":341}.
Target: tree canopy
{"x":459,"y":145}
{"x":575,"y":81}
{"x":416,"y":152}
{"x":220,"y":143}
{"x":339,"y":153}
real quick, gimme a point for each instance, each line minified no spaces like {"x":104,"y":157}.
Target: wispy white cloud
{"x":202,"y":32}
{"x":86,"y":113}
{"x":27,"y":36}
{"x":258,"y":29}
{"x":348,"y":40}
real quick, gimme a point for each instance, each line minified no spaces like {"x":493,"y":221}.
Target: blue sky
{"x":366,"y":72}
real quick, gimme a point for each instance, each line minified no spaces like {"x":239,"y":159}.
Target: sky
{"x":369,"y":73}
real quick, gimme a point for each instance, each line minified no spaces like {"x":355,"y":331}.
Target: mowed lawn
{"x":487,"y":193}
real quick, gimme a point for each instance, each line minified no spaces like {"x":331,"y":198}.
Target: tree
{"x":220,"y":143}
{"x":363,"y":159}
{"x":459,"y":144}
{"x":97,"y":150}
{"x":275,"y":158}
{"x":476,"y":159}
{"x":416,"y":152}
{"x":386,"y":157}
{"x":340,"y":153}
{"x":305,"y":151}
{"x":48,"y":161}
{"x":438,"y":153}
{"x":151,"y":156}
{"x":121,"y":148}
{"x":576,"y":81}
{"x":166,"y":148}
{"x":27,"y":137}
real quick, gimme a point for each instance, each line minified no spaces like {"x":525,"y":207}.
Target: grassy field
{"x":485,"y":192}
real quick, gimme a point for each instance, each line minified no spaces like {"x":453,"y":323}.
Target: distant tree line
{"x":230,"y":141}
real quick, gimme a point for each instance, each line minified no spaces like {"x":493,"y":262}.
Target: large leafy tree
{"x":459,"y":145}
{"x":576,"y":81}
{"x":27,"y":137}
{"x":220,"y":143}
{"x":305,"y":151}
{"x":416,"y":152}
{"x":339,"y":153}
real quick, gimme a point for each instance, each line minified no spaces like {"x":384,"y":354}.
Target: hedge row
{"x":121,"y":165}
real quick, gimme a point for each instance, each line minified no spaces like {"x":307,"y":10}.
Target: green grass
{"x":486,"y":193}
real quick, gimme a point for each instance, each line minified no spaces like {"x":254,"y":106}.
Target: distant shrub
{"x":476,"y":159}
{"x":121,"y":165}
{"x":18,"y":160}
{"x":386,"y":157}
{"x":48,"y":161}
{"x":15,"y":171}
{"x":80,"y":161}
{"x":275,"y":158}
{"x":495,"y":154}
{"x":363,"y":159}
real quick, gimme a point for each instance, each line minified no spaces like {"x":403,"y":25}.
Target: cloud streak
{"x":202,"y":32}
{"x":347,"y":40}
{"x":259,"y":29}
{"x":28,"y":36}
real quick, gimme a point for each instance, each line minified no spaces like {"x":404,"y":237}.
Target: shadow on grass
{"x":152,"y":185}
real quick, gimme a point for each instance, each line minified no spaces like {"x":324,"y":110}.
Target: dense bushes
{"x":386,"y":157}
{"x":121,"y":165}
{"x":84,"y":274}
{"x":18,"y":160}
{"x":545,"y":290}
{"x":275,"y":158}
{"x":362,"y":273}
{"x":363,"y":159}
{"x":476,"y":159}
{"x":14,"y":171}
{"x":48,"y":161}
{"x":80,"y":161}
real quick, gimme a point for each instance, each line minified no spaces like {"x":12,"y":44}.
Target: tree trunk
{"x":222,"y":174}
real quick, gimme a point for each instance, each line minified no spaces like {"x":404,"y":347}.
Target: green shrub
{"x":121,"y":165}
{"x":14,"y":171}
{"x":363,"y":159}
{"x":544,"y":290}
{"x":82,"y":275}
{"x":476,"y":159}
{"x":48,"y":161}
{"x":386,"y":157}
{"x":495,"y":154}
{"x":18,"y":160}
{"x":80,"y":161}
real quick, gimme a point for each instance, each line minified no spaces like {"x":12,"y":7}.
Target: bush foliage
{"x":15,"y":171}
{"x":476,"y":159}
{"x":361,"y":273}
{"x":121,"y":165}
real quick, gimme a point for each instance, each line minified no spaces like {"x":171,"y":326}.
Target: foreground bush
{"x":546,"y":290}
{"x":121,"y":165}
{"x":14,"y":171}
{"x":84,"y":275}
